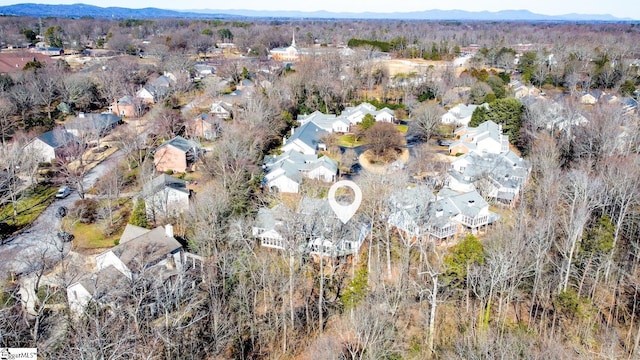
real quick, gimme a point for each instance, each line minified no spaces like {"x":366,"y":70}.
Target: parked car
{"x":61,"y":212}
{"x":65,"y":236}
{"x":63,"y":192}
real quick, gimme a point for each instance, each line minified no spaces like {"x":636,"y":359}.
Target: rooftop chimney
{"x":168,"y":229}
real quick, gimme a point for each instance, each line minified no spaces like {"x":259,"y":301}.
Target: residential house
{"x":285,"y":172}
{"x":318,"y":232}
{"x":177,"y":155}
{"x":204,"y":126}
{"x":14,"y":62}
{"x":487,"y":137}
{"x":417,"y":213}
{"x":96,"y":125}
{"x":157,"y":89}
{"x":468,"y":209}
{"x":222,"y":109}
{"x":166,"y":196}
{"x":327,"y":122}
{"x":328,"y":236}
{"x":269,"y":226}
{"x":460,"y":114}
{"x":203,"y":70}
{"x":521,"y":91}
{"x":52,"y":145}
{"x":105,"y":287}
{"x":356,"y":114}
{"x":127,"y":106}
{"x":305,"y":139}
{"x":629,"y":104}
{"x":499,"y":178}
{"x":591,"y":97}
{"x":409,"y":210}
{"x":47,"y":50}
{"x":155,"y":252}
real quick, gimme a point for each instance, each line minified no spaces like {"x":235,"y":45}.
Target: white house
{"x":498,"y":177}
{"x":155,"y":251}
{"x":306,"y":139}
{"x":487,"y":137}
{"x":221,"y":109}
{"x":285,"y":172}
{"x":460,"y":114}
{"x":51,"y":145}
{"x":166,"y":196}
{"x":326,"y":235}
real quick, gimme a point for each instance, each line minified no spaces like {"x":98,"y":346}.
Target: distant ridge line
{"x":84,"y":10}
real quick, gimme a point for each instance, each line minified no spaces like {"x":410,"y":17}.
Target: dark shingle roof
{"x":162,"y":181}
{"x":57,"y":138}
{"x":181,"y":143}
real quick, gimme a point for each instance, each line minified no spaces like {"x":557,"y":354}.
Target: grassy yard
{"x":349,"y":141}
{"x":31,"y":204}
{"x":402,"y":128}
{"x":92,"y":235}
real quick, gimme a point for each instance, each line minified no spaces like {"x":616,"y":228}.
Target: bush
{"x":86,"y":210}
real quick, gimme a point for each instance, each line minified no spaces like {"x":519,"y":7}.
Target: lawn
{"x":91,"y":236}
{"x":349,"y":141}
{"x":31,"y":204}
{"x":402,"y":128}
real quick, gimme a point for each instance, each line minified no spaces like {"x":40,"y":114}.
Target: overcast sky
{"x":619,"y":8}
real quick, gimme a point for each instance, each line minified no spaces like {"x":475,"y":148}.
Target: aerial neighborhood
{"x":174,"y":187}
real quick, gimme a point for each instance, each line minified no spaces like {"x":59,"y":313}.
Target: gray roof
{"x":269,"y":218}
{"x":161,"y":81}
{"x":309,"y":134}
{"x":125,"y":100}
{"x":164,"y":181}
{"x":132,"y":232}
{"x":506,"y":169}
{"x":146,"y":249}
{"x":324,"y":161}
{"x":410,"y":207}
{"x":93,"y":121}
{"x":103,"y":282}
{"x":181,"y":143}
{"x":57,"y":138}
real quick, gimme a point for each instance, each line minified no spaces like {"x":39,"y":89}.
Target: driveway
{"x":38,"y":245}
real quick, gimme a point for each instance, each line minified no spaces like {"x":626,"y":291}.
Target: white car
{"x":63,"y":192}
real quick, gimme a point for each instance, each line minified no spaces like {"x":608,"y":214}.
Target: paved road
{"x":26,"y":252}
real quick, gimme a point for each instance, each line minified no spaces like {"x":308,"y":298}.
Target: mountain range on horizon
{"x":84,"y":10}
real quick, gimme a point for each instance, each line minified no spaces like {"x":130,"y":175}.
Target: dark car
{"x":61,"y":212}
{"x":65,"y":236}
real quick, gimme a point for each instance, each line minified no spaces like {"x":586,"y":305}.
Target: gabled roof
{"x":57,"y":138}
{"x":162,"y":81}
{"x":208,"y":118}
{"x":325,"y":162}
{"x":462,"y":111}
{"x":93,"y":121}
{"x":452,"y":203}
{"x":146,"y":249}
{"x":103,"y":281}
{"x":163,"y":181}
{"x":268,"y":219}
{"x":181,"y":143}
{"x":309,"y":134}
{"x":125,"y":100}
{"x":132,"y":232}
